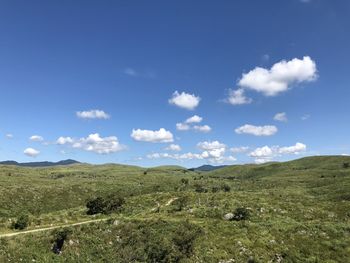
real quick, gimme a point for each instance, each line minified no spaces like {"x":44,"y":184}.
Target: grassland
{"x":299,"y":212}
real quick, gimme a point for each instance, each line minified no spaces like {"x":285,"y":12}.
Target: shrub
{"x":59,"y":237}
{"x":105,"y":205}
{"x":184,"y":181}
{"x":226,"y":188}
{"x":199,"y":188}
{"x":21,"y":222}
{"x":241,"y":213}
{"x":346,"y":165}
{"x":180,"y":203}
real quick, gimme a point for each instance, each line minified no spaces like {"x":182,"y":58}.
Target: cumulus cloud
{"x":188,"y":125}
{"x":182,"y":127}
{"x":173,"y":147}
{"x":160,"y":136}
{"x":93,"y":143}
{"x":64,"y":140}
{"x":266,"y":153}
{"x":237,"y":97}
{"x":194,"y":119}
{"x":202,"y":128}
{"x":266,"y":130}
{"x":281,"y":116}
{"x":31,"y":152}
{"x":93,"y":114}
{"x":212,"y":151}
{"x":280,"y":77}
{"x":184,"y":100}
{"x":295,"y":149}
{"x":36,"y":138}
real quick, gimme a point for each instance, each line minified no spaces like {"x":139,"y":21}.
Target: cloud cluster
{"x":266,"y":153}
{"x":212,"y":151}
{"x":266,"y":130}
{"x":93,"y":114}
{"x":184,"y":100}
{"x":160,"y":136}
{"x":31,"y":152}
{"x":188,"y":125}
{"x":93,"y":143}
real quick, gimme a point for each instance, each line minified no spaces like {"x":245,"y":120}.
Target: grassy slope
{"x":299,"y":210}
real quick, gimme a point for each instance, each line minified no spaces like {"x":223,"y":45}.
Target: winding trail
{"x":74,"y":224}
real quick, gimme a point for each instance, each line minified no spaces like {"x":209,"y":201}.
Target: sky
{"x":174,"y":82}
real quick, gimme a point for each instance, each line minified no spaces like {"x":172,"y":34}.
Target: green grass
{"x":300,"y":212}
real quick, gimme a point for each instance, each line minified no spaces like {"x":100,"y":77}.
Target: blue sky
{"x":114,"y":81}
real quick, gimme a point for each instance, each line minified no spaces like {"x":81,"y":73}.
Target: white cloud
{"x":202,"y":128}
{"x":262,"y":152}
{"x":187,"y":125}
{"x":266,"y":130}
{"x":194,"y":119}
{"x":237,"y":97}
{"x":213,"y":152}
{"x":295,"y":149}
{"x":280,"y":77}
{"x":184,"y":100}
{"x":93,"y":143}
{"x":241,"y":149}
{"x":266,"y":153}
{"x":64,"y":140}
{"x":36,"y":138}
{"x":160,"y":136}
{"x":281,"y":116}
{"x":9,"y":136}
{"x":173,"y":147}
{"x":182,"y":127}
{"x":31,"y":152}
{"x":93,"y":114}
{"x":210,"y":145}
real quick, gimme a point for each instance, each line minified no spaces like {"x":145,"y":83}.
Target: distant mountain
{"x":40,"y":164}
{"x":207,"y":168}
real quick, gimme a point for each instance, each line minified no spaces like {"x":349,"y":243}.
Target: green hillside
{"x":296,"y":211}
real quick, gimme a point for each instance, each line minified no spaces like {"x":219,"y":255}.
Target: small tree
{"x":95,"y":206}
{"x":21,"y":222}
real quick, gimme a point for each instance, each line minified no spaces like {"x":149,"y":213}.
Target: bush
{"x":184,"y":181}
{"x":241,"y":213}
{"x":200,"y":188}
{"x":346,"y":165}
{"x":21,"y":222}
{"x":105,"y":205}
{"x":59,"y":237}
{"x":226,"y":188}
{"x":180,"y":203}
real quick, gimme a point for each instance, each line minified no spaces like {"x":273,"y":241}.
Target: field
{"x":297,"y":211}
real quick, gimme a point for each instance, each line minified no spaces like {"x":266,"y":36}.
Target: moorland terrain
{"x":295,"y":211}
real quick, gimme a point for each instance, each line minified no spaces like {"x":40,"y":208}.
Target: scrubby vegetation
{"x":296,"y":211}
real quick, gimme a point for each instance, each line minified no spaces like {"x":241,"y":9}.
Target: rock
{"x":229,"y":216}
{"x":116,"y":222}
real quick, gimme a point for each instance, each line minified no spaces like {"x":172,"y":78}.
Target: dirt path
{"x":51,"y":228}
{"x":171,"y":200}
{"x":75,"y":224}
